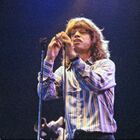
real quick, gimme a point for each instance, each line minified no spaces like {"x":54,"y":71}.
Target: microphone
{"x":43,"y":42}
{"x":57,"y":38}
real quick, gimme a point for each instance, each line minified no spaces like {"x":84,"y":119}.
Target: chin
{"x":78,"y":50}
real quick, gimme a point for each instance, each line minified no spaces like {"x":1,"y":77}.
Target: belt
{"x":87,"y":134}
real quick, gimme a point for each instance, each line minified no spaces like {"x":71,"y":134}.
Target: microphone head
{"x":43,"y":42}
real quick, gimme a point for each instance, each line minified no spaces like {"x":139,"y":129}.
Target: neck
{"x":85,"y":56}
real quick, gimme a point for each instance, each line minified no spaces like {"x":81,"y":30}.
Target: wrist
{"x":49,"y":60}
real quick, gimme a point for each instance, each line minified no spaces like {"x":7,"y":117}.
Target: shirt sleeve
{"x":99,"y":76}
{"x":47,"y":89}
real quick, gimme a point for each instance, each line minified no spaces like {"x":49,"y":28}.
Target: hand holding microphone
{"x":67,"y":44}
{"x":53,"y":50}
{"x":61,"y":40}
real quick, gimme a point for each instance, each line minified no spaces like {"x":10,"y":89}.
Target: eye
{"x":80,"y":30}
{"x":83,"y":31}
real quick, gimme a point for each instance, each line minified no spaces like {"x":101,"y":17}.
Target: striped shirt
{"x":89,"y":99}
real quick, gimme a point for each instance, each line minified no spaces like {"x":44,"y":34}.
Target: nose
{"x":77,"y":34}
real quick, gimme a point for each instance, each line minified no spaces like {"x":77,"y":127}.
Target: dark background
{"x":23,"y":22}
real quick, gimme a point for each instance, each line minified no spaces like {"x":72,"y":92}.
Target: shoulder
{"x":104,"y":62}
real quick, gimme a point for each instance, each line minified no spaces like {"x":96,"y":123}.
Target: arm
{"x":51,"y":82}
{"x":48,"y":85}
{"x":99,"y":76}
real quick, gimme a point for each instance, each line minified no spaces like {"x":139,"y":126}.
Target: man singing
{"x":90,"y":80}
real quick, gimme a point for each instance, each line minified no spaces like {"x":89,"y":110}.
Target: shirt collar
{"x":90,"y":61}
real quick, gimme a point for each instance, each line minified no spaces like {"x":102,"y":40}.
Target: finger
{"x":67,"y":42}
{"x":64,"y":35}
{"x":54,"y":43}
{"x":58,"y":38}
{"x":62,"y":39}
{"x":65,"y":39}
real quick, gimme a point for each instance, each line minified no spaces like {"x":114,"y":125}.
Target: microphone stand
{"x":64,"y":82}
{"x":43,"y":45}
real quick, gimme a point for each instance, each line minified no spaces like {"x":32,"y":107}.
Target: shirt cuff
{"x":47,"y":69}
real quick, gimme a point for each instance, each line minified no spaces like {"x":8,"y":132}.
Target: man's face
{"x":81,"y":40}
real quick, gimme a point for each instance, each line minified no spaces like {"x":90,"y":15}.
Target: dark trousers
{"x":83,"y":135}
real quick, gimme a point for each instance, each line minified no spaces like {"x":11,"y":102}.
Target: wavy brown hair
{"x":100,"y":45}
